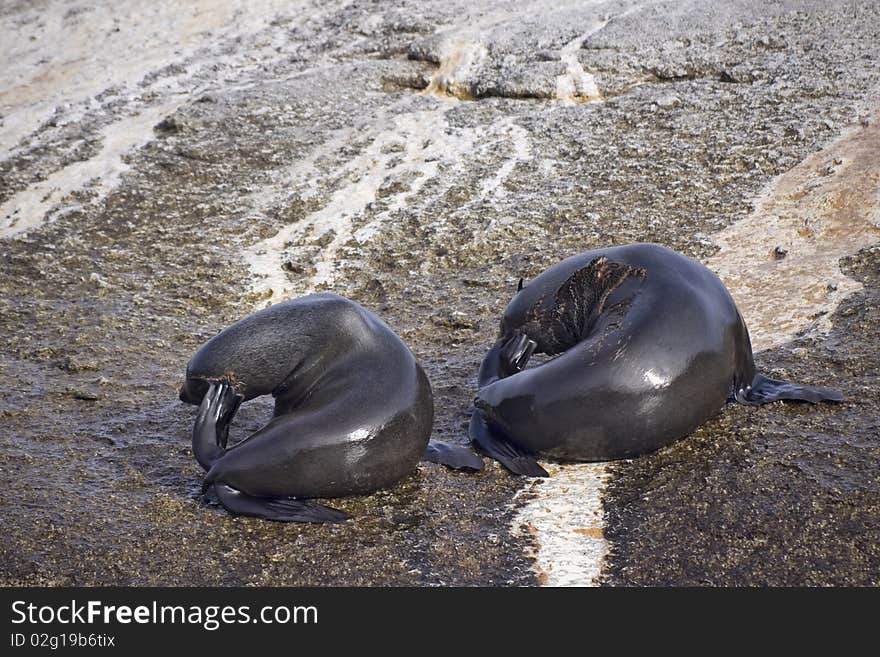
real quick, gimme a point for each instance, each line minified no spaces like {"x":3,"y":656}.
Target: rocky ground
{"x":165,"y":172}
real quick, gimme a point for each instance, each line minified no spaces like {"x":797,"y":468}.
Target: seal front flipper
{"x":764,"y":390}
{"x":229,"y":403}
{"x":496,"y":446}
{"x":211,"y":429}
{"x":509,"y":355}
{"x":517,"y":351}
{"x":452,"y":456}
{"x":282,"y":509}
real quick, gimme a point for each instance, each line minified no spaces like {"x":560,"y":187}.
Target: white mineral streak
{"x":430,"y":146}
{"x":100,"y":174}
{"x":520,"y":151}
{"x":61,"y":59}
{"x":412,"y":148}
{"x":819,"y":211}
{"x":61,"y":55}
{"x":461,"y":53}
{"x":576,"y":84}
{"x":564,"y":518}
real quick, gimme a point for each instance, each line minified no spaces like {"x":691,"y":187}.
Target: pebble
{"x":667,"y":101}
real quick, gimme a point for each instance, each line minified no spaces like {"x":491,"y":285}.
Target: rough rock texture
{"x":426,"y":207}
{"x":774,"y":496}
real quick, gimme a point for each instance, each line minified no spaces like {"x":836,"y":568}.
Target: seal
{"x":646,"y":345}
{"x":353,"y":408}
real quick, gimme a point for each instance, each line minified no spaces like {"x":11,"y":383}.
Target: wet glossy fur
{"x":648,"y":345}
{"x":353,"y":408}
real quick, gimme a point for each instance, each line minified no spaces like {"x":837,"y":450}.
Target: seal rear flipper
{"x":492,"y":444}
{"x":764,"y":390}
{"x":452,"y":456}
{"x":282,"y":509}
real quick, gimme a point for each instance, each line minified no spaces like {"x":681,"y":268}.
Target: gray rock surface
{"x":424,"y":157}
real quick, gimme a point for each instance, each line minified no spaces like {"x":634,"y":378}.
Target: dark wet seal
{"x":353,"y":408}
{"x":647,"y":345}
